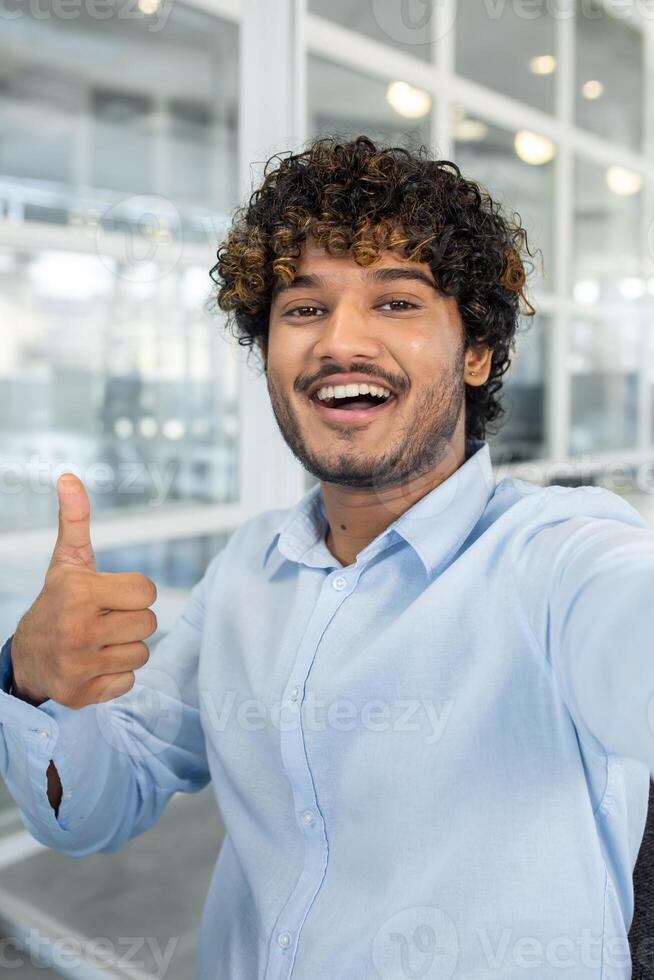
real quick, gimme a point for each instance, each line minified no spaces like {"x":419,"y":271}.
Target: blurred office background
{"x":129,"y":131}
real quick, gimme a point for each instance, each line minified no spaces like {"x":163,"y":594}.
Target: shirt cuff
{"x":32,"y":737}
{"x":6,"y":668}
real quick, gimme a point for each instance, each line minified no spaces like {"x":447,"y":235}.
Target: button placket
{"x":310,"y":822}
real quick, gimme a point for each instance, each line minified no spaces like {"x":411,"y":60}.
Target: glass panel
{"x":523,"y":434}
{"x":609,"y":83}
{"x":109,"y":364}
{"x":128,"y":383}
{"x":408,"y":25}
{"x":118,"y":103}
{"x":606,"y":255}
{"x":309,"y":480}
{"x":346,"y":103}
{"x":510,"y":48}
{"x":176,"y":563}
{"x":517,"y":169}
{"x":604,"y":362}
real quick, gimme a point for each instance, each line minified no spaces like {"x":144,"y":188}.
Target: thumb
{"x":73,"y":545}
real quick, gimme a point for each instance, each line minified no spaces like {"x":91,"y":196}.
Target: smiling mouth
{"x":361,"y":408}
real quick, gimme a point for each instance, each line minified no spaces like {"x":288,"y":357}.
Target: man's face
{"x":400,"y":331}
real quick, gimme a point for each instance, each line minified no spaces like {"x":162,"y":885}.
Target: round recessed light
{"x":592,"y":89}
{"x":407,"y":100}
{"x":623,"y":181}
{"x":534,"y":148}
{"x":542,"y":64}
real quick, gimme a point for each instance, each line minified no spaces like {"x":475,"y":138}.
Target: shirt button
{"x":43,"y":734}
{"x":295,"y":693}
{"x":339,"y":583}
{"x":284,"y":939}
{"x":308,"y":818}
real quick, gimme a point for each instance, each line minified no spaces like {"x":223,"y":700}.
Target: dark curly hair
{"x":356,"y":197}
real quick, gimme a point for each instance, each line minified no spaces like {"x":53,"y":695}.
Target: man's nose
{"x":347,"y":332}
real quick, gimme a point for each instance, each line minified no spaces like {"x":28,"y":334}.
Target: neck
{"x":356,"y":517}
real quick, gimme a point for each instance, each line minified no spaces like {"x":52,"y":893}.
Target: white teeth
{"x":351,"y":391}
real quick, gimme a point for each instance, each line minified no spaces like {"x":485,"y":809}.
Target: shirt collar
{"x":435,"y":526}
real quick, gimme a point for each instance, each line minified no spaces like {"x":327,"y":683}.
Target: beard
{"x":419,"y":445}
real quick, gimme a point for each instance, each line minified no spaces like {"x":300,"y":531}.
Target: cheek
{"x":282,"y":353}
{"x":425,"y":353}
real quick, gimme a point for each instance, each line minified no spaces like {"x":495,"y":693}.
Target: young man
{"x":424,"y":700}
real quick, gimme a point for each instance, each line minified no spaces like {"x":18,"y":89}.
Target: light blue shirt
{"x":432,"y":763}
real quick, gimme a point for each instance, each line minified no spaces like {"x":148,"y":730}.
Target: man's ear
{"x":478,"y":363}
{"x":262,"y":343}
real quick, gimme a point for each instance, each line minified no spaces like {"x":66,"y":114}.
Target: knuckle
{"x":95,"y":634}
{"x":78,"y":586}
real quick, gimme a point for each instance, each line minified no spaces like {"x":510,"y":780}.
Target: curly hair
{"x":358,"y":198}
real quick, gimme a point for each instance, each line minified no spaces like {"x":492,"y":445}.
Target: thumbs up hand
{"x":83,"y":637}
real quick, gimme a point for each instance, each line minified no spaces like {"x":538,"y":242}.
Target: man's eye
{"x":299,"y":308}
{"x":404,"y":301}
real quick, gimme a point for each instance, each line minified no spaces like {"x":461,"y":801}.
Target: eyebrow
{"x":387,"y":274}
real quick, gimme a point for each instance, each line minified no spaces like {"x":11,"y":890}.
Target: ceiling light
{"x":586,"y":291}
{"x":592,"y":89}
{"x":408,"y":101}
{"x":148,"y":426}
{"x":622,"y":181}
{"x":470,"y":131}
{"x":632,"y":287}
{"x":542,"y":64}
{"x":533,"y":148}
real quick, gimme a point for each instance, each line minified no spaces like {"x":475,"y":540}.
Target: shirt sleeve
{"x":587,"y":584}
{"x":120,"y":761}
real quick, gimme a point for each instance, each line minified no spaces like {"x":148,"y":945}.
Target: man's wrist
{"x":12,"y":690}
